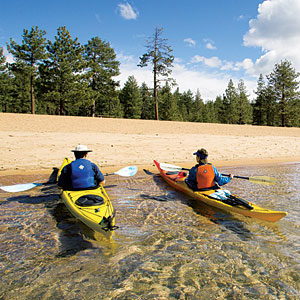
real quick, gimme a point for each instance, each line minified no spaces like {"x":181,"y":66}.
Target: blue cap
{"x":200,"y":154}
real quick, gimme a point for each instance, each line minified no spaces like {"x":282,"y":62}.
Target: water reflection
{"x":168,"y":246}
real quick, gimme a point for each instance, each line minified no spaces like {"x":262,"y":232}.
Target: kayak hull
{"x":97,"y":217}
{"x":178,"y":183}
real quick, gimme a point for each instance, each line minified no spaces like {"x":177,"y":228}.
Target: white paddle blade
{"x":19,"y":187}
{"x":127,"y":171}
{"x":169,"y":167}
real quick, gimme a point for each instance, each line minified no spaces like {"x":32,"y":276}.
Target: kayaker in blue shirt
{"x":204,"y":176}
{"x":80,"y":174}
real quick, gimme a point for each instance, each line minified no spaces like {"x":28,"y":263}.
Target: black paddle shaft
{"x":235,"y":176}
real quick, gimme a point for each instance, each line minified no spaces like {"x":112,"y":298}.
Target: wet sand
{"x":37,"y":143}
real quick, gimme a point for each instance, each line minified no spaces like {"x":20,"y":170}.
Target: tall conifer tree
{"x":283,"y":81}
{"x":61,"y":74}
{"x":159,"y":56}
{"x":101,"y":67}
{"x":245,"y":108}
{"x":130,"y":99}
{"x":169,"y":109}
{"x":31,"y":51}
{"x":5,"y":84}
{"x":147,"y":100}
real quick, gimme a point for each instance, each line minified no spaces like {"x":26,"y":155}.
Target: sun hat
{"x":202,"y":153}
{"x":81,"y":148}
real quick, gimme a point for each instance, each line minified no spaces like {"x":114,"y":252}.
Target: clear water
{"x":167,"y":245}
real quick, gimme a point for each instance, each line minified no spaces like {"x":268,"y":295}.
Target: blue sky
{"x":213,"y":41}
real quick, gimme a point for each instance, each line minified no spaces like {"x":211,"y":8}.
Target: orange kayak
{"x":233,"y":204}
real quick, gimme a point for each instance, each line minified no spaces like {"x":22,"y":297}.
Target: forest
{"x":64,"y":77}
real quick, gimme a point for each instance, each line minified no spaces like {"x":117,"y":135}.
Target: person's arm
{"x":63,"y":180}
{"x":99,"y":177}
{"x":221,"y":180}
{"x":191,"y":180}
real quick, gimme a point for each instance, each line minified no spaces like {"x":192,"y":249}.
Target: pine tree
{"x":130,"y":99}
{"x":61,"y":77}
{"x":31,"y":52}
{"x":198,"y":109}
{"x":210,"y":113}
{"x":245,"y":108}
{"x":271,"y":107}
{"x":101,"y":67}
{"x":20,"y":91}
{"x":5,"y":84}
{"x":169,"y":109}
{"x":231,"y":104}
{"x":148,"y":103}
{"x":219,"y":110}
{"x":186,"y":103}
{"x":283,"y":81}
{"x":260,"y":105}
{"x":159,"y":55}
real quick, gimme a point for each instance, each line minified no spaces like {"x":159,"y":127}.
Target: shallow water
{"x":167,"y":245}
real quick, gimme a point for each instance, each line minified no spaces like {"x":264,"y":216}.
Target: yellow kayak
{"x":233,"y":205}
{"x":92,"y":207}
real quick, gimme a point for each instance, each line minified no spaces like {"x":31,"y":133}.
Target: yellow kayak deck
{"x":97,"y":217}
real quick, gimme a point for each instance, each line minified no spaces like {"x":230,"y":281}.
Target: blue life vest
{"x":82,"y":175}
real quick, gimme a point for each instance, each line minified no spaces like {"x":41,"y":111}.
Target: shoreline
{"x":32,"y":144}
{"x":152,"y":168}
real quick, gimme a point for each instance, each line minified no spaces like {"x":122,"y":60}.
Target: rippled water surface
{"x":167,"y":245}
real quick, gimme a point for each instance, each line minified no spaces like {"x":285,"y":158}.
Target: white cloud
{"x":210,"y":46}
{"x":276,"y":31}
{"x":209,"y":84}
{"x":213,"y":62}
{"x":127,"y":12}
{"x":190,"y":42}
{"x":8,"y":56}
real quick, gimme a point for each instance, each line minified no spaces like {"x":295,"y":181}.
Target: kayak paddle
{"x":255,"y":179}
{"x":15,"y":188}
{"x":126,"y":171}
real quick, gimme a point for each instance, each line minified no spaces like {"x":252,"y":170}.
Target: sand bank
{"x":36,"y":143}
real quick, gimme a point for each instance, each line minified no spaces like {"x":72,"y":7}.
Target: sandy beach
{"x":37,"y":143}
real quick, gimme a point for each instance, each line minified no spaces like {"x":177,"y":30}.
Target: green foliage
{"x":64,"y":77}
{"x":20,"y":91}
{"x":260,"y":104}
{"x":245,"y":108}
{"x":101,"y":67}
{"x":5,"y":84}
{"x":159,"y":56}
{"x":210,"y":113}
{"x":185,"y":104}
{"x":283,"y":81}
{"x":169,"y":109}
{"x":148,"y":103}
{"x":231,"y":104}
{"x":198,"y":109}
{"x":31,"y":52}
{"x":61,"y":77}
{"x":131,"y":100}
